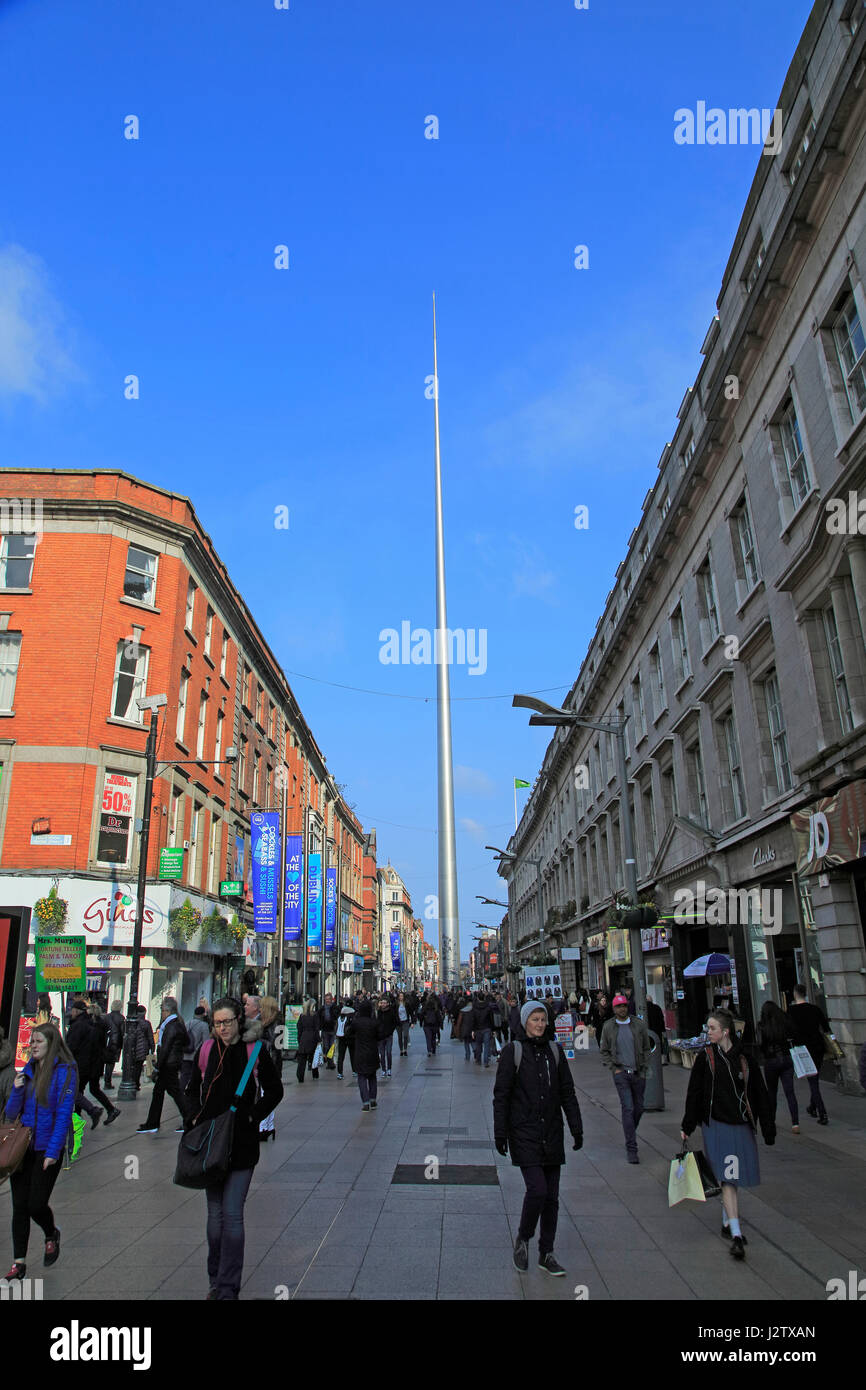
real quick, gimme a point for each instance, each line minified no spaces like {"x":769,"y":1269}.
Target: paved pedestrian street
{"x":325,"y":1219}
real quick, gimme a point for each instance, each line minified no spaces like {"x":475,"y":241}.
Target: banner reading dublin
{"x":314,"y":904}
{"x":265,"y":868}
{"x":294,"y":888}
{"x":396,"y":956}
{"x":331,"y":910}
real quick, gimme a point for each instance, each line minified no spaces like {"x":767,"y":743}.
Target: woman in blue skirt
{"x":728,"y":1098}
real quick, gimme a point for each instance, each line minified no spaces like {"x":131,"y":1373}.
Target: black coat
{"x":308,"y":1033}
{"x":715,"y":1093}
{"x":386,"y":1021}
{"x":482,"y":1016}
{"x":86,"y":1045}
{"x":363,"y":1032}
{"x":808,"y":1023}
{"x":116,"y":1027}
{"x":218,"y":1091}
{"x":431,"y":1014}
{"x":173,"y":1044}
{"x":528,"y":1104}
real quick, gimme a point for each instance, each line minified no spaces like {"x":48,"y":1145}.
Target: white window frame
{"x":133,"y":714}
{"x":208,"y":629}
{"x":837,"y":669}
{"x":794,"y":454}
{"x":748,"y":547}
{"x":128,"y":814}
{"x":214,"y":854}
{"x":182,"y":696}
{"x":657,"y":680}
{"x":735,"y":767}
{"x":695,"y":755}
{"x":224,"y":653}
{"x":679,"y":646}
{"x":711,"y":622}
{"x":218,"y":739}
{"x":201,"y":729}
{"x":778,"y":732}
{"x":189,"y":618}
{"x":847,"y":343}
{"x":29,"y":545}
{"x":9,"y":642}
{"x":152,"y":554}
{"x":638,"y":708}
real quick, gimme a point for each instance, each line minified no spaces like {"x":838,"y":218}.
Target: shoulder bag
{"x":204,"y":1152}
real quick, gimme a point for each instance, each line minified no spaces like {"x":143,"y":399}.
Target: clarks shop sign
{"x":830,"y":831}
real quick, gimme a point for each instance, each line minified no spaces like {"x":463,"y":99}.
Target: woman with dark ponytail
{"x":775,"y":1036}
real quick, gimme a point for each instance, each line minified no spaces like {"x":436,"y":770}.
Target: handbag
{"x":802,"y":1059}
{"x":833,"y":1051}
{"x":685,"y":1180}
{"x":709,"y":1182}
{"x":14,"y":1142}
{"x":204,"y":1152}
{"x":318,"y":1057}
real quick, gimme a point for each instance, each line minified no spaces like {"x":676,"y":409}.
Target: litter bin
{"x":654,"y":1095}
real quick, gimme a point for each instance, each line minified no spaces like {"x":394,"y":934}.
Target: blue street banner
{"x":294,"y":888}
{"x":314,"y":904}
{"x":396,"y":957}
{"x":265,"y":835}
{"x":331,"y":910}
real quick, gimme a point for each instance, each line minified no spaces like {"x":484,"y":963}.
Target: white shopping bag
{"x":803,"y":1064}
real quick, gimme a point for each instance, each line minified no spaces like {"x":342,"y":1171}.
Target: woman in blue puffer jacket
{"x":43,"y":1094}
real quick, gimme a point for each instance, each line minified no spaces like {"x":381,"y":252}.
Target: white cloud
{"x":34,"y":360}
{"x":473,"y":781}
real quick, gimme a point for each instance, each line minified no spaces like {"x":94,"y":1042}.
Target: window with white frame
{"x":746,"y":560}
{"x":218,"y":742}
{"x":638,"y":711}
{"x":754,"y":267}
{"x":224,"y":654}
{"x":689,"y":451}
{"x":246,"y":685}
{"x":183,"y":690}
{"x":735,"y":768}
{"x":139,"y":582}
{"x":778,"y":733}
{"x":657,"y":681}
{"x":851,"y":352}
{"x":10,"y":652}
{"x":195,"y":844}
{"x":242,"y":766}
{"x":837,"y":670}
{"x":709,"y":604}
{"x":644,"y":552}
{"x":130,"y":681}
{"x":679,"y":645}
{"x":16,"y":560}
{"x":697,"y":783}
{"x":175,"y":829}
{"x":214,"y":857}
{"x":801,"y":147}
{"x":649,"y":824}
{"x":664,"y":505}
{"x":796,"y":467}
{"x":202,"y":726}
{"x":257,"y":770}
{"x":190,"y":605}
{"x":623,"y":724}
{"x":611,"y":760}
{"x":208,"y":630}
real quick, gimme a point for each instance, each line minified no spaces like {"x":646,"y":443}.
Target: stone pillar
{"x":840,"y":941}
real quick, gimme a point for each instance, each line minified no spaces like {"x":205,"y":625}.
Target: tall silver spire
{"x":449,"y":930}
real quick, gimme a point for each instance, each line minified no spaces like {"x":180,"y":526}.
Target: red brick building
{"x":120,"y":594}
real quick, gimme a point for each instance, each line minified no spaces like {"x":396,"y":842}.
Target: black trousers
{"x":431,"y":1034}
{"x":31,"y":1187}
{"x":542,"y":1199}
{"x":167,"y":1084}
{"x":305,"y":1059}
{"x":96,"y":1091}
{"x":342,"y":1044}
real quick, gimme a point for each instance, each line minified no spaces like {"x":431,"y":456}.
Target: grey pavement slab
{"x":325,"y":1219}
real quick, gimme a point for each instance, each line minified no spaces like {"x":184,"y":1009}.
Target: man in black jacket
{"x":115,"y":1025}
{"x":173,"y":1042}
{"x":329,"y":1015}
{"x":482,"y":1028}
{"x":528,"y":1103}
{"x":85,"y":1041}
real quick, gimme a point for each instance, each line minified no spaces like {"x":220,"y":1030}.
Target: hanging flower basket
{"x":184,"y":922}
{"x":51,"y":913}
{"x":224,"y":932}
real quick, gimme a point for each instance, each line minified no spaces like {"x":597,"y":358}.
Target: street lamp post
{"x":127,"y":1088}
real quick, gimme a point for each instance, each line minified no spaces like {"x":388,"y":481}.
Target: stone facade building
{"x":732,"y":641}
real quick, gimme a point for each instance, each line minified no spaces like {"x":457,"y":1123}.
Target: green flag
{"x":518,"y":783}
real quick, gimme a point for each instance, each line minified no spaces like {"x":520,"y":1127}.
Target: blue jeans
{"x":778,"y":1069}
{"x":482,"y":1042}
{"x":225,"y":1233}
{"x":631,"y":1091}
{"x":385,"y":1047}
{"x":368,"y":1087}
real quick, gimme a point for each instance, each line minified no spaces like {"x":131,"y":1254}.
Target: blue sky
{"x":306,"y":387}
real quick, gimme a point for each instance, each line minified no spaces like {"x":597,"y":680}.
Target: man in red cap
{"x":625,"y":1048}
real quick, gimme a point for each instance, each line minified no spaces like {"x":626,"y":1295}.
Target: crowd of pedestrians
{"x":230,"y":1055}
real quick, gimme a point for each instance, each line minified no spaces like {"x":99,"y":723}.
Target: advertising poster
{"x":396,"y":954}
{"x":331,"y":910}
{"x":294,"y":888}
{"x":539,"y":981}
{"x":265,"y":826}
{"x":61,"y":963}
{"x":314,"y":904}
